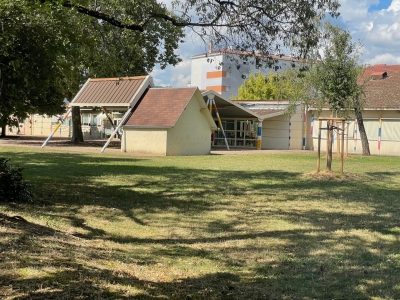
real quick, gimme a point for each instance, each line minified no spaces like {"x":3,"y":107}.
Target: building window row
{"x":238,"y":132}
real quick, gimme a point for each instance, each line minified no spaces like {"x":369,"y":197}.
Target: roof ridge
{"x":118,"y":78}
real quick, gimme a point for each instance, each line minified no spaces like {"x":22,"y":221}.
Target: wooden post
{"x":319,"y":146}
{"x":329,"y":146}
{"x":347,"y":138}
{"x":337,"y":137}
{"x":342,"y":153}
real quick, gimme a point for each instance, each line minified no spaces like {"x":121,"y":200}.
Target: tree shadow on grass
{"x":67,"y":268}
{"x":324,"y":254}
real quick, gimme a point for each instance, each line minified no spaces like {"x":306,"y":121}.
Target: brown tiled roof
{"x":110,"y":91}
{"x":161,"y":107}
{"x":382,"y":92}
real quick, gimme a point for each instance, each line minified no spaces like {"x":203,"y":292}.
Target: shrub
{"x":13,"y":188}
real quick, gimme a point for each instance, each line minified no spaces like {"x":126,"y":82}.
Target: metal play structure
{"x":110,"y":94}
{"x":211,"y":104}
{"x":56,"y":128}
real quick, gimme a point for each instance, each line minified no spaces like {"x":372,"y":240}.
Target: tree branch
{"x":141,"y":26}
{"x":102,"y":16}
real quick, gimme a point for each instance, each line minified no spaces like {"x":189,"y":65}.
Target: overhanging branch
{"x":102,"y":16}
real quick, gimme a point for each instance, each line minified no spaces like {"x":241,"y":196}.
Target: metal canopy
{"x":229,"y":109}
{"x":119,"y":94}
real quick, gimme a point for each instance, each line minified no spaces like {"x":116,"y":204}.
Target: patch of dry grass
{"x":211,"y":227}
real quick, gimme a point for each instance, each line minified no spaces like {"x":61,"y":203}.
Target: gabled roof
{"x":383,"y":87}
{"x":112,"y":92}
{"x":162,"y":107}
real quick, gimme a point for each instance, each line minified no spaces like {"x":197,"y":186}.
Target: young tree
{"x":337,"y":74}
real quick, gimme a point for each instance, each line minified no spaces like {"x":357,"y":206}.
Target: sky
{"x":376,"y":23}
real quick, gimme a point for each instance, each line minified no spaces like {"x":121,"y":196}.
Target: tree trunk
{"x":3,"y":128}
{"x":363,"y":134}
{"x":4,"y":123}
{"x":77,"y":135}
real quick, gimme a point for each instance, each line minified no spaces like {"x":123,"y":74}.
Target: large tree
{"x":46,"y":53}
{"x":119,"y":52}
{"x":336,"y":76}
{"x":266,"y":26}
{"x":30,"y":79}
{"x":147,"y":32}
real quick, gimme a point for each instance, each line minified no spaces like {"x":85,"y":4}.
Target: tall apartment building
{"x":224,"y":71}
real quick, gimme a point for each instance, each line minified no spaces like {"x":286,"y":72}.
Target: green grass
{"x":209,"y":227}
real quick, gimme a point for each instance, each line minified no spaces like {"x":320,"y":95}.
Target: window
{"x":239,"y":133}
{"x":85,"y":119}
{"x":94,"y":117}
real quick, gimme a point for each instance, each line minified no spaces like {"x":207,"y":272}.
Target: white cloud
{"x":355,"y":11}
{"x":377,"y":29}
{"x":385,"y":58}
{"x":395,"y":6}
{"x":179,"y":75}
{"x":156,"y":73}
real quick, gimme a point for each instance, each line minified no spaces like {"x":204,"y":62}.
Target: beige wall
{"x":296,"y":130}
{"x":277,"y":130}
{"x":41,"y":126}
{"x":389,"y":140}
{"x":275,"y":133}
{"x":191,"y":134}
{"x":141,"y":140}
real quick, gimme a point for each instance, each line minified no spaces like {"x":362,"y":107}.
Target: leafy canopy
{"x":260,"y":87}
{"x":264,"y":26}
{"x":47,"y":51}
{"x":291,"y":85}
{"x":337,"y":71}
{"x":29,"y":47}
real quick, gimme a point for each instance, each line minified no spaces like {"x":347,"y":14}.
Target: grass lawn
{"x":206,"y":227}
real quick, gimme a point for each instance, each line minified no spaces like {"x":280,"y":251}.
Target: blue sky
{"x":383,"y":4}
{"x":376,"y":23}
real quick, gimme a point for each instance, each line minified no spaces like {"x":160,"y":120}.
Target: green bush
{"x":13,"y":188}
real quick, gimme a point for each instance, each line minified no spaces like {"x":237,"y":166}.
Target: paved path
{"x":93,"y":146}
